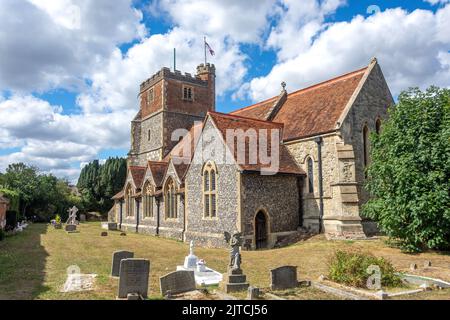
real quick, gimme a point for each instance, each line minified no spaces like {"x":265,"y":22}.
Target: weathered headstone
{"x":116,"y":258}
{"x":427,"y":264}
{"x":133,"y":297}
{"x":82,"y":217}
{"x":123,"y":234}
{"x":112,"y":226}
{"x":413,"y":266}
{"x":253,"y":293}
{"x":133,"y":277}
{"x":104,"y":234}
{"x":71,"y":228}
{"x":177,"y":282}
{"x":283,"y":278}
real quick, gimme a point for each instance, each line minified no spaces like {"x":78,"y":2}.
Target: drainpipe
{"x":182,"y":200}
{"x":300,"y":201}
{"x":319,"y":141}
{"x":120,"y":215}
{"x":158,"y":206}
{"x":137,"y":215}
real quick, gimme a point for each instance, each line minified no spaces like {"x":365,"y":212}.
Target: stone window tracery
{"x":170,"y":197}
{"x":210,"y":191}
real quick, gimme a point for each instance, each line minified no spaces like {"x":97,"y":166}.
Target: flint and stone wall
{"x":277,"y":196}
{"x":209,"y":231}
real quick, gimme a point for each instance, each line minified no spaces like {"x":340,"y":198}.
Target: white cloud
{"x":44,"y":45}
{"x":435,"y":2}
{"x":54,"y":141}
{"x":411,"y":47}
{"x":298,"y":23}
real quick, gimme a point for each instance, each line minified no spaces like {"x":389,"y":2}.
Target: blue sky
{"x":70,"y":70}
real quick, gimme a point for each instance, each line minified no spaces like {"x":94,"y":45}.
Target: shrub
{"x":11,"y":220}
{"x":351,"y":268}
{"x":58,"y":219}
{"x":2,"y":234}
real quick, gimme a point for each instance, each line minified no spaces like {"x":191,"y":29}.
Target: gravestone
{"x":177,"y":282}
{"x":427,"y":264}
{"x":82,"y":217}
{"x":133,"y":277}
{"x":112,"y":226}
{"x":116,"y":258}
{"x":71,"y":228}
{"x":283,"y":278}
{"x":104,"y":234}
{"x":413,"y":266}
{"x":253,"y":293}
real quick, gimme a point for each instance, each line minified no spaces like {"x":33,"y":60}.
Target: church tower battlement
{"x":169,"y":100}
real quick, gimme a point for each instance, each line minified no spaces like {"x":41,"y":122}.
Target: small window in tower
{"x":150,"y":96}
{"x":188,"y":93}
{"x":149,"y":135}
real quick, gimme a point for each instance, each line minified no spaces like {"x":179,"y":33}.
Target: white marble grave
{"x":203,"y":275}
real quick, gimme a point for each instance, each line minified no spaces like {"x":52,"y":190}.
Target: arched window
{"x":310,"y":175}
{"x":170,"y":199}
{"x":366,"y":146}
{"x":129,"y":201}
{"x":378,"y":126}
{"x":209,"y":191}
{"x":148,"y":199}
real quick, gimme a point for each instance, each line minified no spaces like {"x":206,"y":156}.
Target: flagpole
{"x":204,"y":43}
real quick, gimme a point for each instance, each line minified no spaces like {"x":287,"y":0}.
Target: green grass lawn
{"x":33,"y":264}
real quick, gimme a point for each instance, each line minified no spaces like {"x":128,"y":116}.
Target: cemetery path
{"x":33,"y":264}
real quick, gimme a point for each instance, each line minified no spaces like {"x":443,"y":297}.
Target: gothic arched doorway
{"x":261,"y":233}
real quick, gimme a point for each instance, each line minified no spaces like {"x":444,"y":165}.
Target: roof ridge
{"x":246,"y":118}
{"x":257,"y":104}
{"x":342,"y":76}
{"x":304,"y":89}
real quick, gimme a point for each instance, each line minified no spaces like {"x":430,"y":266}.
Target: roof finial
{"x":283,"y":86}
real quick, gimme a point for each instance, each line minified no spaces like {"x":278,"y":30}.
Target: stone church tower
{"x":169,"y":101}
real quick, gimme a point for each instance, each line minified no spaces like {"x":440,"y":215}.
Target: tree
{"x":24,"y":180}
{"x":41,"y":195}
{"x":409,"y":177}
{"x":99,"y":183}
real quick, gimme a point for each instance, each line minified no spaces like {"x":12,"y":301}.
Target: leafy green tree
{"x":409,"y":177}
{"x":36,"y":194}
{"x":24,"y":180}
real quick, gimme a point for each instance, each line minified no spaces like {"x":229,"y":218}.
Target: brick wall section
{"x":151,"y":106}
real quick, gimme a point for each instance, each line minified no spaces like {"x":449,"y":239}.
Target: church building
{"x":293,"y":162}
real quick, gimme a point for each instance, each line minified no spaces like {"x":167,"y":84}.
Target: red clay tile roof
{"x":227,"y":121}
{"x":256,"y":111}
{"x":310,"y":111}
{"x":181,"y":168}
{"x":137,"y":173}
{"x":158,"y":169}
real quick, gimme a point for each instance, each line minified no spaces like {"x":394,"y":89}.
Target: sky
{"x":70,"y":69}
